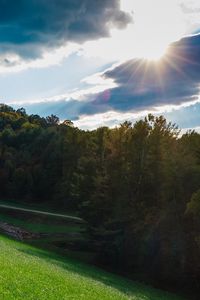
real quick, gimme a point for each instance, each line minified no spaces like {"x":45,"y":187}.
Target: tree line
{"x":137,"y":186}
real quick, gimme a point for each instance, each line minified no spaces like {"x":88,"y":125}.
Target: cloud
{"x":28,"y":28}
{"x":136,"y":86}
{"x":185,"y":117}
{"x":143,"y":84}
{"x":63,"y":109}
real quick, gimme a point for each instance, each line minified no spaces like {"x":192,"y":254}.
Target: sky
{"x":101,"y":62}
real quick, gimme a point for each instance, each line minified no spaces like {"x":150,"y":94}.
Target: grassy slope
{"x":30,"y":273}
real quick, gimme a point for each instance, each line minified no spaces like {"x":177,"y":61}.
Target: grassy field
{"x":32,"y":274}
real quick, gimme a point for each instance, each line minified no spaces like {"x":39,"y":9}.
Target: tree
{"x":68,"y":123}
{"x":52,"y":120}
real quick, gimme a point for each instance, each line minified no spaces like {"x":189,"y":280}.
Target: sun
{"x":153,"y":52}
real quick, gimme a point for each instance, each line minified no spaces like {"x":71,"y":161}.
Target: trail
{"x":41,"y":212}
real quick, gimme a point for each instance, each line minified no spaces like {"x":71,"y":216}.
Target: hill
{"x":30,"y":273}
{"x":137,"y":187}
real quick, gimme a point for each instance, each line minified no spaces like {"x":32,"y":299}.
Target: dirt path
{"x":17,"y":232}
{"x":42,"y":212}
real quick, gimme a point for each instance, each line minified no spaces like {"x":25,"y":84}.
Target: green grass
{"x":32,"y":274}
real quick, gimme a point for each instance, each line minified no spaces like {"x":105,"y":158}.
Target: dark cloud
{"x":27,"y":26}
{"x":143,"y":84}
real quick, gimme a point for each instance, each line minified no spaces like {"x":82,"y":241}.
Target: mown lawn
{"x":32,"y":274}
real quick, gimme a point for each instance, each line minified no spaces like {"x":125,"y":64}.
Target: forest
{"x":136,"y":185}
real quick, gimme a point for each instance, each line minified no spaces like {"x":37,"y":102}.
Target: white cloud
{"x":114,"y":118}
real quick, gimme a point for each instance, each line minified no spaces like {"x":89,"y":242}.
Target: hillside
{"x":30,"y":273}
{"x":136,"y":186}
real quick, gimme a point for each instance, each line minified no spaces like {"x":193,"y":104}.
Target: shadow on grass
{"x":126,"y":286}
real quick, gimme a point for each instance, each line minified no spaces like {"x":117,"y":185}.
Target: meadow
{"x":31,"y":273}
